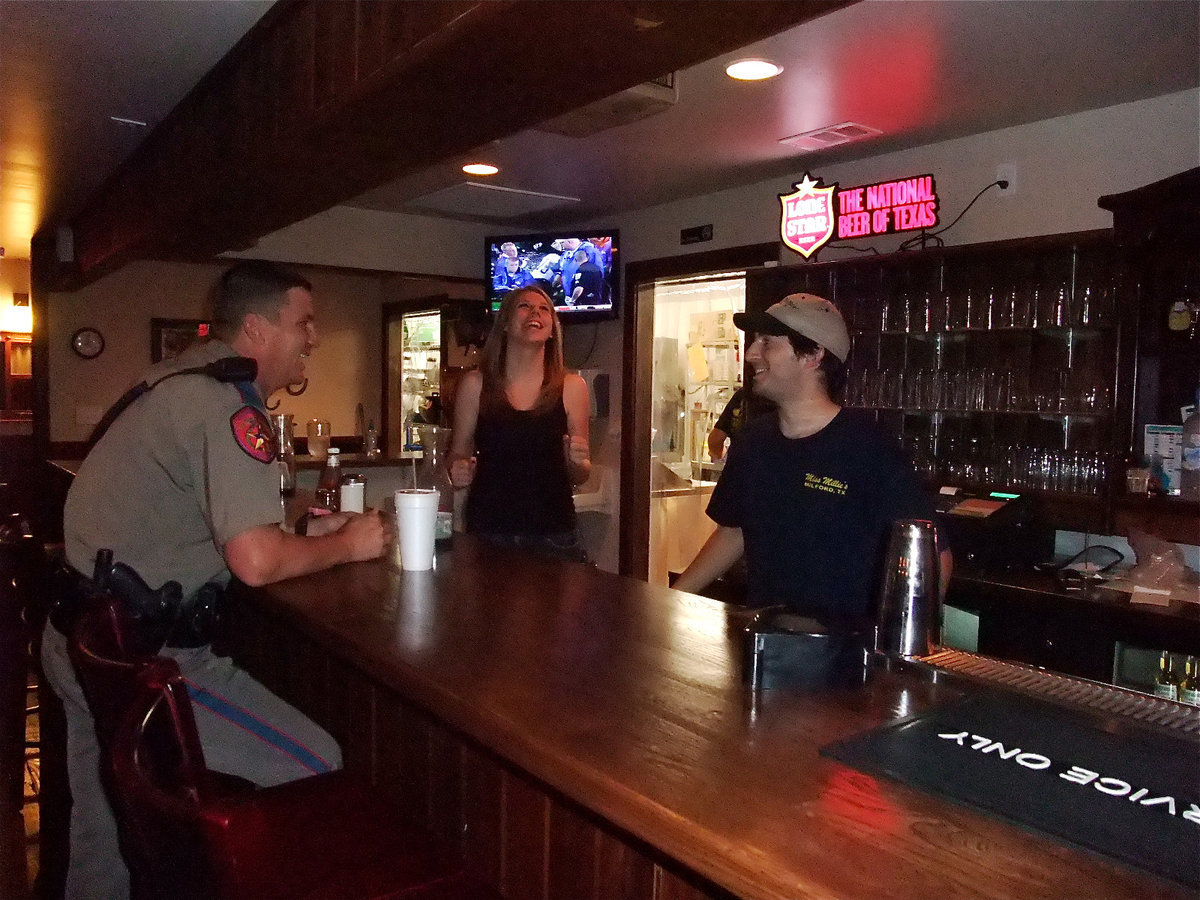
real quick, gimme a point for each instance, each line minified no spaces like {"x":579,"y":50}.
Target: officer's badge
{"x":253,"y":433}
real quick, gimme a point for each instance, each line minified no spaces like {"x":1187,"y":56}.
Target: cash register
{"x":992,"y":531}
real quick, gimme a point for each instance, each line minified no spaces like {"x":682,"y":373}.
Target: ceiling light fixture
{"x":480,"y":169}
{"x":128,"y":123}
{"x":752,"y":69}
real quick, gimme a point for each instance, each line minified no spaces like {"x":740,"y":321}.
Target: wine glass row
{"x":1044,"y":390}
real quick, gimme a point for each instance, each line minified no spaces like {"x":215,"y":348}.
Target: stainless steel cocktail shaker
{"x":910,"y":613}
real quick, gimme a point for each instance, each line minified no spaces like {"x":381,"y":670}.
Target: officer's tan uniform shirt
{"x":169,"y":484}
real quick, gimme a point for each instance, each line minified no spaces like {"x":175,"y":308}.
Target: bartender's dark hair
{"x":495,"y":353}
{"x":253,"y":286}
{"x":832,"y":369}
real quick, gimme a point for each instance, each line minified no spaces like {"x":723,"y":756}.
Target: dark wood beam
{"x":325,"y":99}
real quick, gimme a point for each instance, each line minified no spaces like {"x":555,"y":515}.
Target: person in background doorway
{"x":810,"y":492}
{"x":520,"y":439}
{"x":741,"y":408}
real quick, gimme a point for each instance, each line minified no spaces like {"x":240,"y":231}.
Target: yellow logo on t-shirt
{"x":825,"y":483}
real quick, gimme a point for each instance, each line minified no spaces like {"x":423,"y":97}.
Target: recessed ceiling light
{"x":480,"y":169}
{"x":753,"y":69}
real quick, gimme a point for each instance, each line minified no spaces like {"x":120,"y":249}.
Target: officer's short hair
{"x":252,"y":286}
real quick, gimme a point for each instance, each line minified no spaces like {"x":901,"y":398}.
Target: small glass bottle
{"x":350,"y":498}
{"x":372,"y":441}
{"x":1189,"y":687}
{"x":286,"y":458}
{"x":1166,"y":682}
{"x":329,"y":484}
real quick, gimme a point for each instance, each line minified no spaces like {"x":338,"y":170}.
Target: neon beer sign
{"x":813,"y":214}
{"x":807,"y":221}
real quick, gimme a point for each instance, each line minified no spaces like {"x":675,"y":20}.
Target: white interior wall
{"x":343,"y":371}
{"x":1063,"y":166}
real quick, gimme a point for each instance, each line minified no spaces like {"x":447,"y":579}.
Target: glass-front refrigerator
{"x":420,"y":371}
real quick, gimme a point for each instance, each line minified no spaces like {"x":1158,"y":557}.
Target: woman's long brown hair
{"x":495,"y":354}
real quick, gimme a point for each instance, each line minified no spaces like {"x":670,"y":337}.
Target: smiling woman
{"x":522,"y":422}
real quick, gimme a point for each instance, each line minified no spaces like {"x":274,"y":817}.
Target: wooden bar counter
{"x":582,"y":735}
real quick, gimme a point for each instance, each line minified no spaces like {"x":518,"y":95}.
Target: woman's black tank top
{"x":521,"y":483}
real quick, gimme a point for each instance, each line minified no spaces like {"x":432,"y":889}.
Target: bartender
{"x":809,"y":492}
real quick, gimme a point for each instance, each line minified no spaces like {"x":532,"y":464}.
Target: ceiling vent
{"x":830,"y":136}
{"x":638,"y":102}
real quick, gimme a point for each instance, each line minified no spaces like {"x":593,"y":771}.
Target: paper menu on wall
{"x":1164,"y":449}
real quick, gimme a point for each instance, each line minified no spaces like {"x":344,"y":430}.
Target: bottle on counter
{"x":350,"y":497}
{"x":329,"y":485}
{"x":1189,"y":687}
{"x":372,"y":441}
{"x":435,"y":473}
{"x":286,"y":457}
{"x":1166,"y":682}
{"x":1189,"y":466}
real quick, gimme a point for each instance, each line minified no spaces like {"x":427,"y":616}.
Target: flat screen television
{"x":580,"y":270}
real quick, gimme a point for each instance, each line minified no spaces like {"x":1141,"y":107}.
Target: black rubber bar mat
{"x":1131,"y":797}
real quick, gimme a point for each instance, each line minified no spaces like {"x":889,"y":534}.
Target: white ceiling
{"x":917,"y":71}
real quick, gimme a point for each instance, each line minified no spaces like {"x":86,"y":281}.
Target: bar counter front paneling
{"x":583,"y":735}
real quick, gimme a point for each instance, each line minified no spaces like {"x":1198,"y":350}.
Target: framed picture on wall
{"x":169,"y":337}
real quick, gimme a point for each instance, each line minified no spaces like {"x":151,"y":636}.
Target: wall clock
{"x":87,"y":342}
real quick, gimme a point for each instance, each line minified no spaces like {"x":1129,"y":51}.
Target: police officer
{"x":183,"y":487}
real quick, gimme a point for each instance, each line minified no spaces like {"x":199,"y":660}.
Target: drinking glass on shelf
{"x":936,"y":304}
{"x":1002,"y":308}
{"x":318,"y":438}
{"x":1020,"y":304}
{"x":979,"y":307}
{"x":1092,"y":303}
{"x":958,"y":309}
{"x":977,"y":380}
{"x":934,"y":388}
{"x":999,"y":389}
{"x":1037,"y":305}
{"x":920,"y":312}
{"x":914,"y":389}
{"x":891,"y":385}
{"x":1045,"y":392}
{"x":1058,"y":307}
{"x":899,"y":318}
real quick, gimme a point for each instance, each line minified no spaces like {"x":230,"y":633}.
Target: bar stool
{"x":326,"y":836}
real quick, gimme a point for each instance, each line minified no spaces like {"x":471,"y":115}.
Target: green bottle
{"x":1166,"y":683}
{"x":1189,"y":688}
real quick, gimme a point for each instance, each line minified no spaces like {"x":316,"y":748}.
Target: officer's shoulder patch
{"x":253,"y":433}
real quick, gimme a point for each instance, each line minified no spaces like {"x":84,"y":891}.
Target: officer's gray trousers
{"x":96,"y":870}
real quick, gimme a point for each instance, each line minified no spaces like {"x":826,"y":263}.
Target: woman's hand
{"x":579,"y":460}
{"x":462,"y":472}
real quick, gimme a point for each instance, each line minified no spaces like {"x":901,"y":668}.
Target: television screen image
{"x":578,"y":270}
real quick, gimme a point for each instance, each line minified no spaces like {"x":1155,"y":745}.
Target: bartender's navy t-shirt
{"x":816,"y":512}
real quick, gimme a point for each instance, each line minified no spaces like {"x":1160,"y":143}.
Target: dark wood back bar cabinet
{"x":1012,"y":365}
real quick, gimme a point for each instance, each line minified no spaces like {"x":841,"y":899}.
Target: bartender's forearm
{"x":722,"y":549}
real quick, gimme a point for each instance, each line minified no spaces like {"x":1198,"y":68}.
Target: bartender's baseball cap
{"x":805,"y":314}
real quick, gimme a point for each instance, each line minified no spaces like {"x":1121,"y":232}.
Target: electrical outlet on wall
{"x":1007,"y":172}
